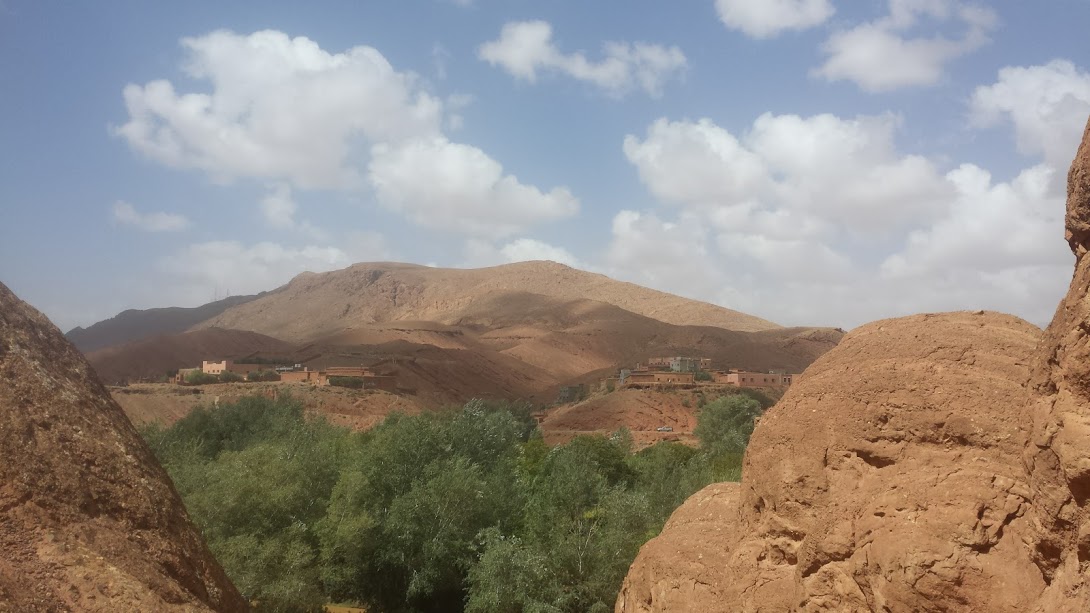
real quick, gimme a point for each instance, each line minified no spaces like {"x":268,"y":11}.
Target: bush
{"x":355,"y":383}
{"x":702,"y":375}
{"x":230,"y":377}
{"x":197,"y":377}
{"x":725,"y":425}
{"x":262,"y":375}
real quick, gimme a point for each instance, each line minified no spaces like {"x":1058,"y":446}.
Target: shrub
{"x":349,"y":382}
{"x":702,"y":375}
{"x":197,"y":377}
{"x":262,"y":375}
{"x":230,"y":377}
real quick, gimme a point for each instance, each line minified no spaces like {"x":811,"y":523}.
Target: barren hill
{"x":89,"y":521}
{"x":314,"y":305}
{"x":133,"y":324}
{"x":153,"y":357}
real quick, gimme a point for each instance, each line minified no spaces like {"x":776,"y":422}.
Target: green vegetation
{"x":196,"y":377}
{"x":461,"y":510}
{"x":703,"y":375}
{"x":262,"y":375}
{"x":230,"y":377}
{"x":355,"y":383}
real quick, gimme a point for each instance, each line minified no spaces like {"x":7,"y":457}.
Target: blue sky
{"x":809,"y":161}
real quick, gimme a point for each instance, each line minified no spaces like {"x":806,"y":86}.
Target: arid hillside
{"x":152,"y":357}
{"x":515,"y":331}
{"x":89,"y":521}
{"x":315,"y":305}
{"x":927,"y":463}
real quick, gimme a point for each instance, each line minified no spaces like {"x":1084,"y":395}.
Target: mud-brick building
{"x":647,"y":378}
{"x":741,"y":378}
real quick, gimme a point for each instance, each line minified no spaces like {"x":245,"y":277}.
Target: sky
{"x":812,"y":162}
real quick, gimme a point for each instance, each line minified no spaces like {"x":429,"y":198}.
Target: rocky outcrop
{"x":89,"y":521}
{"x":911,"y":468}
{"x":888,"y":478}
{"x":1058,"y":455}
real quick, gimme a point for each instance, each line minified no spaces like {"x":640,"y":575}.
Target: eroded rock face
{"x":888,"y":476}
{"x":910,"y":469}
{"x":1058,"y":454}
{"x":89,"y":521}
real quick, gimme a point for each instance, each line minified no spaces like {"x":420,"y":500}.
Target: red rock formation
{"x":89,"y":521}
{"x":909,"y":469}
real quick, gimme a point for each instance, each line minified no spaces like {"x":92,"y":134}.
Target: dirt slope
{"x":315,"y":305}
{"x":909,"y":469}
{"x":134,"y":324}
{"x":89,"y":521}
{"x":153,"y":357}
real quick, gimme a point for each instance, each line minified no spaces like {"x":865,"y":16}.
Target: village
{"x":677,"y":372}
{"x":357,"y":377}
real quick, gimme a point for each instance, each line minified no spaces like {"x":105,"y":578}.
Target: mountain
{"x":313,"y":305}
{"x":514,"y":331}
{"x":89,"y":520}
{"x":135,"y":324}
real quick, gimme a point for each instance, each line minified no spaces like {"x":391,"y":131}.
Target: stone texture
{"x":89,"y":521}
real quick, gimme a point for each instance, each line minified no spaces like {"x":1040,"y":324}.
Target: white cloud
{"x":768,"y":18}
{"x":285,"y":112}
{"x":126,"y":214}
{"x":884,"y":55}
{"x":200,"y":269}
{"x":1047,"y":105}
{"x":823,"y":220}
{"x":525,"y":48}
{"x":479,"y":252}
{"x":813,"y":169}
{"x":279,"y":208}
{"x":281,"y":108}
{"x":528,"y":249}
{"x":453,"y":186}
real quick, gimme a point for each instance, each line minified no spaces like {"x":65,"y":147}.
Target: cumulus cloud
{"x":1047,"y":106}
{"x":823,"y":219}
{"x":442,"y":184}
{"x":220,"y":266}
{"x":886,"y":54}
{"x":125,"y":213}
{"x":280,"y":108}
{"x":480,"y":252}
{"x":769,"y":18}
{"x":525,"y":48}
{"x":789,"y":172}
{"x":286,"y":112}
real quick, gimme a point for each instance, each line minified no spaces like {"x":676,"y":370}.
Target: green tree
{"x":725,"y":425}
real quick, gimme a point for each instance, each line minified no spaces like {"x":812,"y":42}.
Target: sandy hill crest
{"x":928,"y":463}
{"x":89,"y":521}
{"x":319,"y":304}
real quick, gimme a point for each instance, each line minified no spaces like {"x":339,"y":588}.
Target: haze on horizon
{"x":806,"y":161}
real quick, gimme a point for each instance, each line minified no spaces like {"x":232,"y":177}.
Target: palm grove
{"x":464,"y":509}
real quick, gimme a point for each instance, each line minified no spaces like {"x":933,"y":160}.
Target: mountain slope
{"x":135,"y":324}
{"x":315,"y":305}
{"x":152,"y":357}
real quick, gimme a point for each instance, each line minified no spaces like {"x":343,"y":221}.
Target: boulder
{"x":89,"y":520}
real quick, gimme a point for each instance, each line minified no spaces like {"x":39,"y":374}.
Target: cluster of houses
{"x":294,"y":374}
{"x":683,"y":371}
